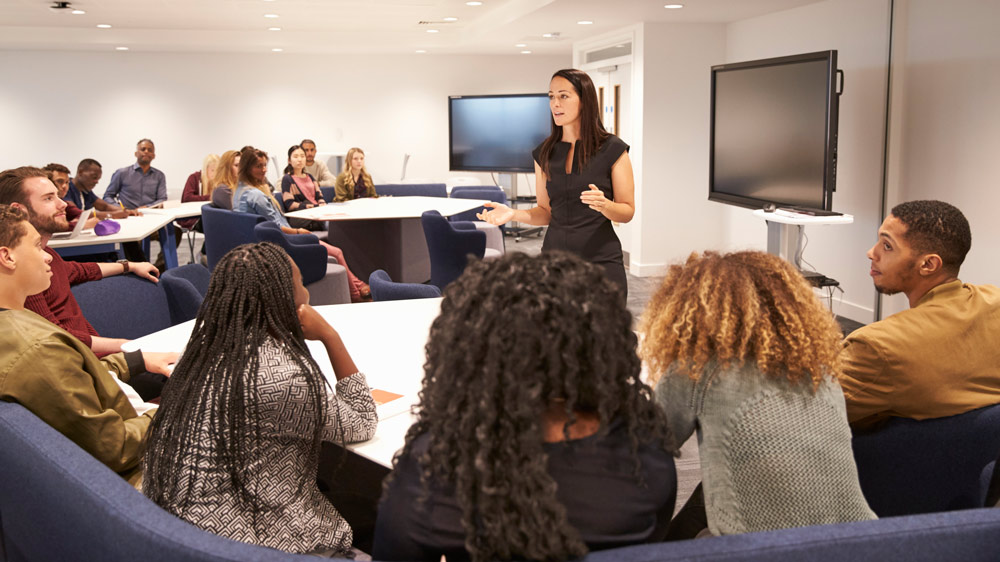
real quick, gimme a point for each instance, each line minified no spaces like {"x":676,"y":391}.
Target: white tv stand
{"x":784,"y":231}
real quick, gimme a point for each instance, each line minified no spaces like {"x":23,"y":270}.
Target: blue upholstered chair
{"x":185,"y":287}
{"x":325,"y":279}
{"x":383,"y":288}
{"x":909,"y":466}
{"x":329,"y":193}
{"x":124,"y":306}
{"x":225,"y":229}
{"x":488,"y":192}
{"x":57,"y":502}
{"x":449,"y":245}
{"x":412,"y":189}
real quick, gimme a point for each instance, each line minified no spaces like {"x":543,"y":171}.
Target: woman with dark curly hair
{"x":535,"y":438}
{"x":745,"y":352}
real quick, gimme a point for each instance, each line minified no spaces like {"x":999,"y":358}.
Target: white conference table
{"x":138,"y":228}
{"x":386,"y":341}
{"x":385,"y":232}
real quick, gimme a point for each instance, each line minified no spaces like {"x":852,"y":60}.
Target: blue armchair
{"x":909,"y":466}
{"x":185,"y":287}
{"x":326,"y":280}
{"x":383,"y":289}
{"x":124,"y":306}
{"x":225,"y":229}
{"x":449,"y":245}
{"x":488,"y":192}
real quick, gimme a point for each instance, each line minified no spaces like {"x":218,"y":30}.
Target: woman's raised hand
{"x":497,"y":213}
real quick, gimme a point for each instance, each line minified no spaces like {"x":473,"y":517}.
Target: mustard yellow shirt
{"x":937,"y":359}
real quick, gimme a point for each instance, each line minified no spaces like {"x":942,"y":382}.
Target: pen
{"x":119,"y":201}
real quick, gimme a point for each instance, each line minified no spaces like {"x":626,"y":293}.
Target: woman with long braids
{"x":744,"y":352}
{"x":234,"y":447}
{"x":535,"y":438}
{"x":583,"y":179}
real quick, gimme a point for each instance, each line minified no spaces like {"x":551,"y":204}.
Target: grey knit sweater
{"x":773,"y":455}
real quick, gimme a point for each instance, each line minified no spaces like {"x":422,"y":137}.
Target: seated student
{"x":56,"y":376}
{"x":59,"y":176}
{"x":198,"y":186}
{"x":299,"y":189}
{"x":354,"y":182}
{"x":234,"y":448}
{"x":940,"y":357}
{"x":316,"y":168}
{"x":81,"y":192}
{"x":744,"y":352}
{"x":30,"y":189}
{"x":225,"y":178}
{"x":253,"y":195}
{"x":537,"y":444}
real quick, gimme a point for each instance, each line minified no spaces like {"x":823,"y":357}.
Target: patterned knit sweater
{"x":774,"y":454}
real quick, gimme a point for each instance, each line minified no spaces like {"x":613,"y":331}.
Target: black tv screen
{"x":496,"y":133}
{"x":774,"y":132}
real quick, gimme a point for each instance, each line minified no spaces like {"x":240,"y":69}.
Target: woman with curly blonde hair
{"x":739,"y":347}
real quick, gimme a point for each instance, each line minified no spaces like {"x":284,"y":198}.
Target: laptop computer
{"x":76,"y":229}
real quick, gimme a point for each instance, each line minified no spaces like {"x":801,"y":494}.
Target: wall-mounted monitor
{"x":774,"y":132}
{"x":496,"y":133}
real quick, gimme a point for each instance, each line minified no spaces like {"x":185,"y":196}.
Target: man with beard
{"x":939,"y":358}
{"x":30,"y":190}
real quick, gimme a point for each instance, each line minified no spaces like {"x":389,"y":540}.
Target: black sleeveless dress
{"x":575,"y":227}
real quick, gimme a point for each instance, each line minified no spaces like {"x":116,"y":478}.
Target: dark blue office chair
{"x":326,"y":280}
{"x":383,"y":288}
{"x":909,"y":466}
{"x":449,"y":245}
{"x":57,"y":502}
{"x":488,"y":192}
{"x":225,"y":229}
{"x":185,"y":287}
{"x":124,"y":306}
{"x":329,"y":193}
{"x":412,"y":189}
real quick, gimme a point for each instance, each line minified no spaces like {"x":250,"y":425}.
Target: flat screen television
{"x":774,"y":132}
{"x":496,"y":133}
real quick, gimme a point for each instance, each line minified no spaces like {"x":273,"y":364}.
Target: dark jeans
{"x":690,"y":520}
{"x":133,"y":250}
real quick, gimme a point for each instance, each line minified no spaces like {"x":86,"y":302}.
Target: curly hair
{"x":12,"y":226}
{"x":735,"y":309}
{"x":250,"y":300}
{"x":936,"y":227}
{"x":516,"y":335}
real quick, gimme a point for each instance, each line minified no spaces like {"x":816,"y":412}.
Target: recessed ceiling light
{"x":272,"y":16}
{"x":104,"y":26}
{"x":473,"y":3}
{"x":78,"y":12}
{"x":432,"y":31}
{"x":521,"y":45}
{"x":548,"y":35}
{"x":525,"y":52}
{"x":450,"y":18}
{"x":674,"y":6}
{"x":274,"y":29}
{"x":277,"y":50}
{"x":421,"y":51}
{"x":585,"y":22}
{"x":121,"y":48}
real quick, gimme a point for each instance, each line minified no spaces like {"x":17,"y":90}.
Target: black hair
{"x":936,"y":227}
{"x":291,"y":149}
{"x":86,"y":163}
{"x":250,"y":301}
{"x":516,"y":336}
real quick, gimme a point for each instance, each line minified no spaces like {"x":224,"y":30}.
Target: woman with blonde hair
{"x":740,"y":348}
{"x":354,"y":182}
{"x":225,"y":179}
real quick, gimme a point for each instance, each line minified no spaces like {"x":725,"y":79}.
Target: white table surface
{"x":369,"y":208}
{"x":386,"y":341}
{"x":178,"y":210}
{"x":133,"y":229}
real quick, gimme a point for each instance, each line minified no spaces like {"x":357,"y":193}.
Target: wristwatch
{"x":124,"y":264}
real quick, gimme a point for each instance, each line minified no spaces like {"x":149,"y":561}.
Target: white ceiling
{"x":346,"y":26}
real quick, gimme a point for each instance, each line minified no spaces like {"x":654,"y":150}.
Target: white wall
{"x":859,"y":31}
{"x":947,"y":70}
{"x":673,"y":214}
{"x":63,"y":107}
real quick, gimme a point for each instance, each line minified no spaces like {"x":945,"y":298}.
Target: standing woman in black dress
{"x":584,"y":180}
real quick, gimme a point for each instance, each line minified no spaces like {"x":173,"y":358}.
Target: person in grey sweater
{"x":741,"y":350}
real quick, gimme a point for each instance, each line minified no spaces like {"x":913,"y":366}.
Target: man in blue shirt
{"x":81,"y":191}
{"x":137,"y":186}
